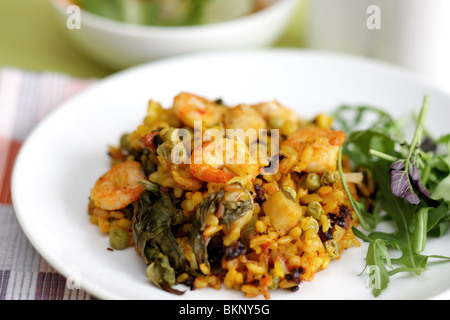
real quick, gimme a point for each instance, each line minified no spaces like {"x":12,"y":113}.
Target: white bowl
{"x":121,"y":45}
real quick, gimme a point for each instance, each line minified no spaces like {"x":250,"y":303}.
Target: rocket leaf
{"x":403,"y":169}
{"x":377,"y":259}
{"x":413,"y":187}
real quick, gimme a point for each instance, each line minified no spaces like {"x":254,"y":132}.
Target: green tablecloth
{"x":31,"y":39}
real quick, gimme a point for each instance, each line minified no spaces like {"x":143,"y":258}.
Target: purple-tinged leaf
{"x":414,"y":174}
{"x":398,"y":165}
{"x":423,"y":190}
{"x":401,"y":186}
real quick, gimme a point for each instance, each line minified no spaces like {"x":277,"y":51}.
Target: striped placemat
{"x":25,"y":98}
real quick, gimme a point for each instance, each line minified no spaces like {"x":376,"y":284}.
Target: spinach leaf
{"x":198,"y":243}
{"x":154,"y":216}
{"x":234,"y":210}
{"x":228,"y":211}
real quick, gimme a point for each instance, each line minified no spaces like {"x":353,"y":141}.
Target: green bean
{"x":314,"y":209}
{"x":313,"y":182}
{"x":118,"y":238}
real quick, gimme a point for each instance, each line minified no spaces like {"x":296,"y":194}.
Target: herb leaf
{"x":199,"y":244}
{"x":441,"y":192}
{"x":230,"y":211}
{"x":154,"y":216}
{"x":359,"y":208}
{"x":413,"y":190}
{"x":377,"y":258}
{"x":400,"y":184}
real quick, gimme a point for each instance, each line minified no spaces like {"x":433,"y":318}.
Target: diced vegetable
{"x":283,"y":211}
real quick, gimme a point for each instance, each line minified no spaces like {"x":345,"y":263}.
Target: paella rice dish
{"x":245,"y":197}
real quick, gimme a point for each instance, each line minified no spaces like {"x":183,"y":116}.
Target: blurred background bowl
{"x":120,"y":45}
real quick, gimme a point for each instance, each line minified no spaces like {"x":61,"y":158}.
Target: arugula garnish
{"x":405,"y":175}
{"x":413,"y":190}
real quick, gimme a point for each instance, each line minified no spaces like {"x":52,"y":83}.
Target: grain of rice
{"x":182,"y":277}
{"x":324,"y":190}
{"x":204,"y":268}
{"x":103,"y":224}
{"x":178,"y":192}
{"x":211,"y":230}
{"x":330,"y":207}
{"x":295,"y":232}
{"x":301,"y":192}
{"x":250,"y":290}
{"x":116,"y":215}
{"x":279,"y":268}
{"x":124,"y":223}
{"x":325,"y":223}
{"x":294,"y":262}
{"x":200,"y":282}
{"x":313,"y":197}
{"x":234,"y":235}
{"x":256,"y":269}
{"x":212,"y":220}
{"x":284,"y":240}
{"x":233,"y":278}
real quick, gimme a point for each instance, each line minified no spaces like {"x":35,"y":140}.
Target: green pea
{"x":169,"y":134}
{"x":336,"y":177}
{"x":290,"y":191}
{"x":313,"y":182}
{"x":332,"y":248}
{"x":314,"y":209}
{"x":307,"y":223}
{"x":329,"y":178}
{"x":118,"y":238}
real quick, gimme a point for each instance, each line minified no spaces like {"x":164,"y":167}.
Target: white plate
{"x":67,"y":152}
